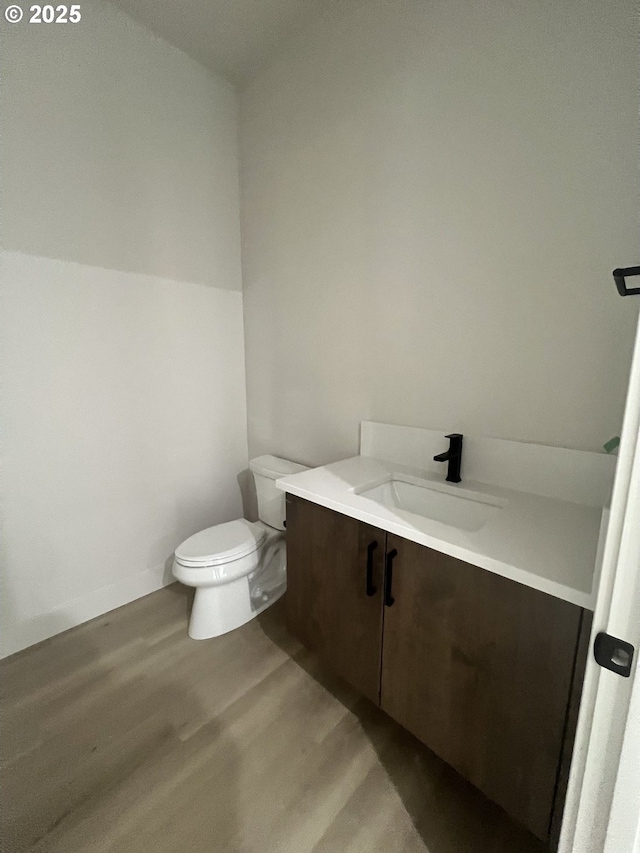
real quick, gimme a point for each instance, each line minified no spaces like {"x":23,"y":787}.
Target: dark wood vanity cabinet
{"x":484,"y":671}
{"x":334,"y":604}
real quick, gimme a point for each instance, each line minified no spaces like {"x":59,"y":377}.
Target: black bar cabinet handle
{"x":371,"y":547}
{"x":389,"y":600}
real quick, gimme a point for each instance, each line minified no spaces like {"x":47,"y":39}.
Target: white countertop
{"x":545,"y":543}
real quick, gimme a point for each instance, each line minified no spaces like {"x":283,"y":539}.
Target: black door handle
{"x":389,"y":600}
{"x":371,"y":547}
{"x":613,"y":654}
{"x":619,"y":276}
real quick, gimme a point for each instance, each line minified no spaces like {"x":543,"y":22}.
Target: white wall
{"x":119,"y":151}
{"x":123,"y":400}
{"x":434,"y":196}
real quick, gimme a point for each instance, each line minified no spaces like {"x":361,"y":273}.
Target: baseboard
{"x":45,"y":625}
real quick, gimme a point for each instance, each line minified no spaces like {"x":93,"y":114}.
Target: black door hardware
{"x":453,"y":456}
{"x":389,"y":600}
{"x":371,"y":589}
{"x":619,"y":276}
{"x":613,"y":654}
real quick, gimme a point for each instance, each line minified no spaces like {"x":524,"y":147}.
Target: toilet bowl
{"x":238,"y":568}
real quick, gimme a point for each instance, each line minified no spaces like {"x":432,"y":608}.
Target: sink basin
{"x":456,"y":507}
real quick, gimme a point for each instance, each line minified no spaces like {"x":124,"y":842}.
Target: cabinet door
{"x":334,"y":590}
{"x":480,"y":668}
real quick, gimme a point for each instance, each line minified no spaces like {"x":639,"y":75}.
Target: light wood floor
{"x":124,"y":735}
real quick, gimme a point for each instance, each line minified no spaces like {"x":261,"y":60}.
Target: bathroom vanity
{"x":473,"y":637}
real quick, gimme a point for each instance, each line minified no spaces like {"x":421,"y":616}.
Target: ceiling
{"x":232,"y":37}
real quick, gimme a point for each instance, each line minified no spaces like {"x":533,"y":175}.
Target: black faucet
{"x":453,"y":456}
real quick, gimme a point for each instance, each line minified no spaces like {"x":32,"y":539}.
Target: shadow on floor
{"x":433,"y":794}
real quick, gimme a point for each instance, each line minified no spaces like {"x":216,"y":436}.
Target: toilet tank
{"x":266,"y":470}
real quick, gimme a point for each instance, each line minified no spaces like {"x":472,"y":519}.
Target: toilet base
{"x":219,"y":609}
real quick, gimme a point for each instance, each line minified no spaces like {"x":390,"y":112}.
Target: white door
{"x":602,"y":813}
{"x":623,"y":830}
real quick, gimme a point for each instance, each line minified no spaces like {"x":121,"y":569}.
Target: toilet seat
{"x":222,"y":543}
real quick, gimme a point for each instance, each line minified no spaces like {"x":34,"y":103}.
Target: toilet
{"x":238,"y":568}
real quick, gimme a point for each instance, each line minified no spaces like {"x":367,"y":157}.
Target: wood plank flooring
{"x":124,"y":735}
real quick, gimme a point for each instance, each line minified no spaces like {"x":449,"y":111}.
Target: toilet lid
{"x":221,"y":543}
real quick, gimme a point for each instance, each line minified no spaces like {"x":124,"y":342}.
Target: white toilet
{"x":238,"y":568}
